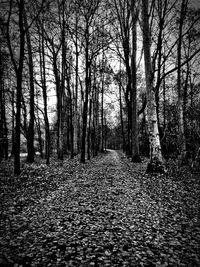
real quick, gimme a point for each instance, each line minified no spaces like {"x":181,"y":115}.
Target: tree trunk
{"x":156,"y":163}
{"x":13,"y":122}
{"x":60,"y":85}
{"x":128,"y":95}
{"x":180,"y":102}
{"x":93,"y":118}
{"x":18,"y":106}
{"x":30,"y":133}
{"x":161,"y":9}
{"x":102,"y":109}
{"x":89,"y":129}
{"x":95,"y":138}
{"x":3,"y":124}
{"x":84,"y":129}
{"x":44,"y":92}
{"x":135,"y":142}
{"x":38,"y":127}
{"x":19,"y":71}
{"x":121,"y":119}
{"x":71,"y":126}
{"x":59,"y":95}
{"x":85,"y":104}
{"x":164,"y":99}
{"x":75,"y":122}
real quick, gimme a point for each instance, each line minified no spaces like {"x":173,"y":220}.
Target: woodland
{"x":99,"y":133}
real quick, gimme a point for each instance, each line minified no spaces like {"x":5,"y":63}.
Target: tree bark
{"x":102,"y":107}
{"x":156,"y":163}
{"x":75,"y":122}
{"x":44,"y":92}
{"x":180,"y":102}
{"x":89,"y":130}
{"x":19,"y":90}
{"x":135,"y":141}
{"x":121,"y":116}
{"x":59,"y":95}
{"x":19,"y":72}
{"x":95,"y":133}
{"x":30,"y":133}
{"x":3,"y":124}
{"x":85,"y":104}
{"x":71,"y":119}
{"x":38,"y":127}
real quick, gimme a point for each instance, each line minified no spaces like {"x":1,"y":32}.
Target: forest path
{"x":106,"y":212}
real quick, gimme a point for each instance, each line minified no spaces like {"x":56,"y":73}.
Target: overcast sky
{"x":196,"y":3}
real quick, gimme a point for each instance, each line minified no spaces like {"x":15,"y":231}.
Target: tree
{"x":156,"y":162}
{"x":95,"y":110}
{"x":125,"y":27}
{"x":120,"y":79}
{"x":75,"y":122}
{"x":30,"y":133}
{"x":18,"y":67}
{"x":135,"y":143}
{"x":102,"y":74}
{"x":89,"y":10}
{"x":169,"y":35}
{"x":3,"y":122}
{"x":124,"y":20}
{"x":181,"y":137}
{"x":44,"y":91}
{"x":53,"y":34}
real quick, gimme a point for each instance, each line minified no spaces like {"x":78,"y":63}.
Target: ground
{"x":106,"y":212}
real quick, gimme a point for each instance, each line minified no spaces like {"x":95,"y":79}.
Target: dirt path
{"x":101,"y":214}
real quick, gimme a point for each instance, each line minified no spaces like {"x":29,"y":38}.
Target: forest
{"x":99,"y":133}
{"x":80,"y":77}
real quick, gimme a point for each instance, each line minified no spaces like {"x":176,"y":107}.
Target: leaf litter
{"x":106,"y":212}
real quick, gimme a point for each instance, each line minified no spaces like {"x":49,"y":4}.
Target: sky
{"x":195,"y":3}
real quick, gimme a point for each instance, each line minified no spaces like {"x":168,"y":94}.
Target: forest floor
{"x":106,"y":212}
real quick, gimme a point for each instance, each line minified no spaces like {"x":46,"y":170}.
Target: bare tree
{"x":182,"y":138}
{"x":135,"y":143}
{"x":18,"y":67}
{"x":89,"y":10}
{"x":30,"y":132}
{"x":3,"y":122}
{"x":156,"y":159}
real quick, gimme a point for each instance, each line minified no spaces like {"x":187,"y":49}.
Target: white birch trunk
{"x":156,"y":160}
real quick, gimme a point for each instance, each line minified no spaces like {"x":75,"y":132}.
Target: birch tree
{"x":156,"y":162}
